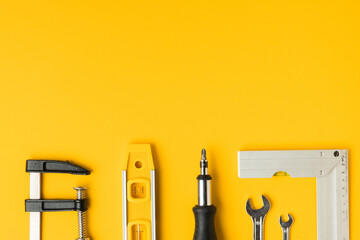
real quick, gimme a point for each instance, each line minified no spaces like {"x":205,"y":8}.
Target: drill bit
{"x":203,"y":154}
{"x":203,"y":162}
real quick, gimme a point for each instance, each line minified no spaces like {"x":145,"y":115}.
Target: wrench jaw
{"x":286,"y":227}
{"x":286,"y":224}
{"x":258,"y":212}
{"x":258,"y":216}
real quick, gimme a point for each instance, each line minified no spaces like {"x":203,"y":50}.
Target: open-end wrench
{"x":286,"y":227}
{"x":258,"y":216}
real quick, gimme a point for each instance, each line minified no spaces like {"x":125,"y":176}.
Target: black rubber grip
{"x":204,"y":223}
{"x":53,"y":166}
{"x":204,"y":177}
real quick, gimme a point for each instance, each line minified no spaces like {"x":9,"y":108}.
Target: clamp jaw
{"x":53,"y":166}
{"x":35,"y":205}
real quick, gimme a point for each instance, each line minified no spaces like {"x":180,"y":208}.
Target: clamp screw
{"x":81,"y":215}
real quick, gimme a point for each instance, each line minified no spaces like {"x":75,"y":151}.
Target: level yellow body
{"x":140,"y":193}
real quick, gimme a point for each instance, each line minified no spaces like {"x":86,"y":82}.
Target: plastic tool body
{"x":204,"y":212}
{"x":286,"y":227}
{"x":258,"y":216}
{"x":138,"y":184}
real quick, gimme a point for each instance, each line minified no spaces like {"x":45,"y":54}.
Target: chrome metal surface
{"x":258,"y":216}
{"x":286,"y":233}
{"x":204,"y":196}
{"x":203,"y":167}
{"x":286,"y":227}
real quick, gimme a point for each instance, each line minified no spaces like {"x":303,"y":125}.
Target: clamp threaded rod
{"x":81,"y":215}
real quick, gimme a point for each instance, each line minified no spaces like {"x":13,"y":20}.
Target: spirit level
{"x":138,"y":194}
{"x":329,"y":167}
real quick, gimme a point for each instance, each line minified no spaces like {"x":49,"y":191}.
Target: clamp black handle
{"x":35,"y":205}
{"x":54,"y":166}
{"x":204,"y":222}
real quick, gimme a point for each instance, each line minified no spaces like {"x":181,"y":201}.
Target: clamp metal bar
{"x":35,"y":217}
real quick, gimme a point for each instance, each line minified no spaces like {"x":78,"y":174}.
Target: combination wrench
{"x":286,"y":227}
{"x":258,"y":216}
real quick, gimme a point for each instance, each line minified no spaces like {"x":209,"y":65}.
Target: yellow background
{"x":80,"y":80}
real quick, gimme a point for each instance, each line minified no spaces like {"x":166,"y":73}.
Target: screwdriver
{"x":204,"y":211}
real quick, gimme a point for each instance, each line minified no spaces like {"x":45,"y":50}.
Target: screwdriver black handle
{"x":204,"y":222}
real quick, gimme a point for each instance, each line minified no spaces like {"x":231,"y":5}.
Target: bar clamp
{"x":35,"y":205}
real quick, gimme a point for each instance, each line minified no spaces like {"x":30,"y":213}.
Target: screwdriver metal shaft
{"x":204,"y":212}
{"x":204,"y":196}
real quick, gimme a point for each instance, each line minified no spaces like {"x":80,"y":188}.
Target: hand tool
{"x":258,"y":216}
{"x":35,"y":205}
{"x":286,"y":227}
{"x":329,"y":167}
{"x":138,"y":194}
{"x":204,"y":212}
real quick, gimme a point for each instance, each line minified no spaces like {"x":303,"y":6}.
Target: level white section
{"x":153,"y":209}
{"x":308,"y":163}
{"x":124,"y":204}
{"x":331,"y":172}
{"x":35,"y":217}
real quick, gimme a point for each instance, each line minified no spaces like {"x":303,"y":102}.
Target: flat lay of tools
{"x":329,"y":167}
